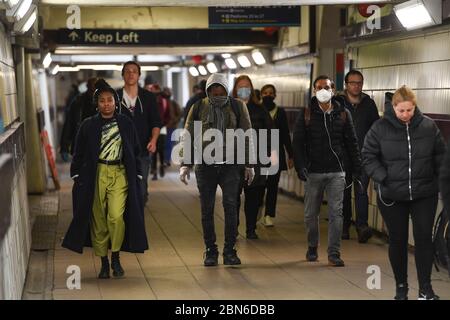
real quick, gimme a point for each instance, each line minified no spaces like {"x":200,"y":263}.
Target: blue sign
{"x":239,"y":17}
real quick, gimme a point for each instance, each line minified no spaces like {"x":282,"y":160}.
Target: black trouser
{"x":271,"y":194}
{"x":396,"y":217}
{"x":253,"y":197}
{"x":208,"y":178}
{"x":361,"y":201}
{"x":160,"y":144}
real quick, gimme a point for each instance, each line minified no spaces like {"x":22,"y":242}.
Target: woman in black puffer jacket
{"x":402,"y":153}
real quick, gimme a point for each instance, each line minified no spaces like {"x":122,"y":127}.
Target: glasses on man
{"x":355,"y":83}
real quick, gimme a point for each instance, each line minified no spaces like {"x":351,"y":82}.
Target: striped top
{"x":111,"y":141}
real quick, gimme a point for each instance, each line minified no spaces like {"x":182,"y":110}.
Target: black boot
{"x":104,"y":271}
{"x":115,"y":265}
{"x":401,"y":291}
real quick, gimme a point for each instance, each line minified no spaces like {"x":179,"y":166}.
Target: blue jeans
{"x":333,"y":184}
{"x":208,"y":178}
{"x":361,"y":201}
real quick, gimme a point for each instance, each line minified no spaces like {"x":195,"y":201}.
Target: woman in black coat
{"x":402,"y":153}
{"x":278,"y":116}
{"x":107,"y":201}
{"x":260,"y":119}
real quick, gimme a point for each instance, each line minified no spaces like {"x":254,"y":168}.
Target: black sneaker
{"x":211,"y":257}
{"x":252,"y":235}
{"x":230,"y":258}
{"x":311,"y":254}
{"x":427,"y":293}
{"x":364,"y":234}
{"x":335,"y":260}
{"x":401,"y":292}
{"x":155,"y":177}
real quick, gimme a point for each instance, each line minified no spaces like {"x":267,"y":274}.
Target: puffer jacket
{"x":404,"y":160}
{"x":445,"y":180}
{"x":321,"y":148}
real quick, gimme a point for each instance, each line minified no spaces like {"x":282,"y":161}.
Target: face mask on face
{"x":268,"y":102}
{"x":244,"y":93}
{"x":218,"y":101}
{"x":324,"y":95}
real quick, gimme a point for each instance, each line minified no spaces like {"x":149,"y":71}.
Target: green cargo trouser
{"x":111,"y":191}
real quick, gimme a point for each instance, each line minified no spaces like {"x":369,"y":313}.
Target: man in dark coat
{"x":364,"y":113}
{"x":322,"y":134}
{"x":140,"y":105}
{"x":81,"y":107}
{"x":107,"y":142}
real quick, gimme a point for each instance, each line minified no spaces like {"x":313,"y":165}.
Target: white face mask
{"x":324,"y":95}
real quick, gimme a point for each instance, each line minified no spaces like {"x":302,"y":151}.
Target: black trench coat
{"x":84,"y":164}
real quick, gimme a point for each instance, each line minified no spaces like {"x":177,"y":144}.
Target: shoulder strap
{"x":237,"y":112}
{"x":307,"y":116}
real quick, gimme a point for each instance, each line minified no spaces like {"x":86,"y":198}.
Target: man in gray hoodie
{"x":219,"y":112}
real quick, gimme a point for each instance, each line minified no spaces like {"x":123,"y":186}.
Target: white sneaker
{"x":268,"y":222}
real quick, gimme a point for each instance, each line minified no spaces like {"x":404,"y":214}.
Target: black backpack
{"x":441,"y":242}
{"x":234,"y":106}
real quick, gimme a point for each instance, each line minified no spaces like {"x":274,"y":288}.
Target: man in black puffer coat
{"x":323,"y":132}
{"x":402,"y":154}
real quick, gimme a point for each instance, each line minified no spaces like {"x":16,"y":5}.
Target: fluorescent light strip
{"x":212,"y":68}
{"x":47,"y":60}
{"x":23,"y":9}
{"x":29,"y":22}
{"x":258,"y":57}
{"x":69,"y":69}
{"x":202,"y":70}
{"x":414,"y":16}
{"x":244,"y":62}
{"x":193,"y":71}
{"x":231,"y":64}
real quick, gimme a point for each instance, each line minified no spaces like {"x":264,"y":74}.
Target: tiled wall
{"x":15,"y":247}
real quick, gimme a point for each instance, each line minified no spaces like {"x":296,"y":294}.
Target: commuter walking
{"x":323,"y":132}
{"x":279,"y":119}
{"x":81,"y":107}
{"x":260,"y":120}
{"x":140,"y":105}
{"x":364,"y":113}
{"x":402,"y":154}
{"x":107,"y":201}
{"x":220,"y":112}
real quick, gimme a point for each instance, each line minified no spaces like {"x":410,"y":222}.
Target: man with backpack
{"x":218,"y":112}
{"x":323,"y":132}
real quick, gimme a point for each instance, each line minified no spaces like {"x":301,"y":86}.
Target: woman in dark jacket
{"x":107,"y":201}
{"x":260,"y":119}
{"x":402,"y":153}
{"x":278,"y":116}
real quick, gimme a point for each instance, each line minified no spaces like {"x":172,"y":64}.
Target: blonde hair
{"x":404,"y":94}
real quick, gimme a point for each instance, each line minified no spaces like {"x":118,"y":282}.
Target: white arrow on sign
{"x":73,"y":35}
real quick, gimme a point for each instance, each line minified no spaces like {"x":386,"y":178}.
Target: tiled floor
{"x":273,"y":267}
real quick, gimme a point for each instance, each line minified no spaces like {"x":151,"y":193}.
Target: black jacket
{"x":82,"y":107}
{"x":445,"y":180}
{"x":321,"y":148}
{"x":146,"y":115}
{"x":260,"y":119}
{"x":364,"y":114}
{"x":280,"y":122}
{"x":404,"y":160}
{"x":84,"y":164}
